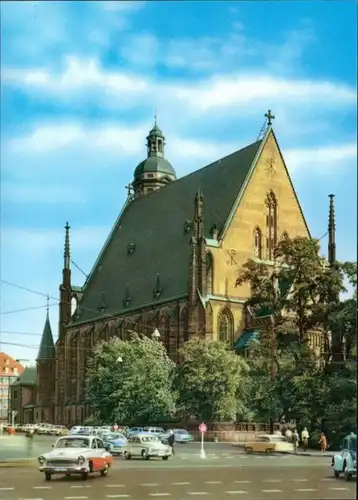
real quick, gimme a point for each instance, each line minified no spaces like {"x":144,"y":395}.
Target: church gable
{"x":267,"y":209}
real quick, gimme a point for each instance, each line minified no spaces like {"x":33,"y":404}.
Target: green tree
{"x":130,"y":382}
{"x":211,"y":381}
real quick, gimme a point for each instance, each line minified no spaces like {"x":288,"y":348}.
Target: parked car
{"x":114,"y":442}
{"x":269,"y":443}
{"x":180,"y":435}
{"x":44,"y":429}
{"x":146,"y":446}
{"x":345,"y":462}
{"x":154,"y":430}
{"x":82,"y":455}
{"x":134,"y":431}
{"x":58,"y":430}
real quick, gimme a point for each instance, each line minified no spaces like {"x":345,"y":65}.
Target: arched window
{"x":209,"y":273}
{"x":271,"y":225}
{"x":258,"y":243}
{"x":226,"y":327}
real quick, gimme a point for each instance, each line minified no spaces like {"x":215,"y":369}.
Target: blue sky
{"x":80,"y":85}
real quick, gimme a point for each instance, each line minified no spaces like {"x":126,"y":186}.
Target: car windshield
{"x":151,"y":439}
{"x":180,"y":431}
{"x":72,"y":443}
{"x":352,"y":443}
{"x":279,"y":439}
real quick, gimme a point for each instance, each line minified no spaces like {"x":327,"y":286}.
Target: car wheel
{"x":165,"y":458}
{"x":104,"y":471}
{"x":145,"y":455}
{"x":85,"y":476}
{"x":336,"y":473}
{"x":127,"y":455}
{"x":347,"y":475}
{"x":269,"y":450}
{"x":47,"y":476}
{"x":249,"y":450}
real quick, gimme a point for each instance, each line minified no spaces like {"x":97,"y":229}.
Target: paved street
{"x":181,"y":483}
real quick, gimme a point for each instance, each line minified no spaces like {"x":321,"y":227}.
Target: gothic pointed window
{"x":226,"y":327}
{"x":258,"y":243}
{"x":271,"y":225}
{"x":209,"y":273}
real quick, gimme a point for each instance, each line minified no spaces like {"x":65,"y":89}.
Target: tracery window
{"x":209,"y":273}
{"x":258,"y":243}
{"x":271,"y":225}
{"x":226,"y":327}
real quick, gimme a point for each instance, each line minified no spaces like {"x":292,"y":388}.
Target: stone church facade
{"x":171,"y":261}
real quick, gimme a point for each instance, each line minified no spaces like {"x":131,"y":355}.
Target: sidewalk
{"x":300,"y":452}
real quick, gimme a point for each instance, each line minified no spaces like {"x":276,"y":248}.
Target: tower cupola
{"x":155,"y":171}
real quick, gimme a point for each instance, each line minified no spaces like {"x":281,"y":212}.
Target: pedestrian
{"x":171,"y":441}
{"x":305,"y":437}
{"x":288,"y":435}
{"x":295,"y":440}
{"x":323,"y":442}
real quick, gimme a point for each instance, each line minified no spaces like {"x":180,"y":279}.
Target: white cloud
{"x":121,"y":89}
{"x":320,"y":157}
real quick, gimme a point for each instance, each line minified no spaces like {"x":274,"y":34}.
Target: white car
{"x":154,"y":430}
{"x":76,"y":455}
{"x":146,"y":446}
{"x":45,"y":429}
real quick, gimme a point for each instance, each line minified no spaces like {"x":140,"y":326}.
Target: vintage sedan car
{"x":133,"y":431}
{"x":114,"y":442}
{"x":76,"y":455}
{"x":146,"y":446}
{"x":58,"y":430}
{"x":180,"y":436}
{"x":269,"y":443}
{"x":345,"y":462}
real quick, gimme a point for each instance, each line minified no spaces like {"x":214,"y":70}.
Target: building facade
{"x":171,"y":262}
{"x":23,"y":396}
{"x":10,"y":369}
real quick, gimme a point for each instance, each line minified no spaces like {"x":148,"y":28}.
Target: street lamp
{"x":156,"y":334}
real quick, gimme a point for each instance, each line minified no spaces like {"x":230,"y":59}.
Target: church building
{"x":170,"y":262}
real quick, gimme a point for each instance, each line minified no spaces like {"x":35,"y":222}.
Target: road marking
{"x":238,"y":492}
{"x":42,"y":487}
{"x":306,"y":489}
{"x":338,"y":489}
{"x":213,"y":482}
{"x":149,"y":484}
{"x":327,"y":479}
{"x":115,"y":485}
{"x":300,"y":480}
{"x":179,"y":484}
{"x":159,"y":494}
{"x":272,"y":481}
{"x":120,"y":495}
{"x":75,"y":498}
{"x":197,"y":493}
{"x":271,"y":491}
{"x":79,"y":486}
{"x":7,"y":489}
{"x":242,"y":482}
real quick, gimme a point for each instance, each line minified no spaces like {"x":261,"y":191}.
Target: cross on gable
{"x":129,"y":189}
{"x":269,"y":117}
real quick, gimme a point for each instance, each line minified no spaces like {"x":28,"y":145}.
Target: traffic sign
{"x":202,"y":428}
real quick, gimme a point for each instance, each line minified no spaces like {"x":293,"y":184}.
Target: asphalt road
{"x":252,"y":482}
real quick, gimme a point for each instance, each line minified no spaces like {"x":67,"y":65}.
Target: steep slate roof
{"x":28,"y":377}
{"x":155,"y":225}
{"x":47,"y":346}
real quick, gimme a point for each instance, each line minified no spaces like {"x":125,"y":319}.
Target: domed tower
{"x":154,"y":172}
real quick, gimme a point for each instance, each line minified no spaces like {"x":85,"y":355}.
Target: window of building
{"x":150,"y":176}
{"x":258,"y":243}
{"x":271,"y":225}
{"x":226,"y":327}
{"x":160,"y":145}
{"x":15,"y":394}
{"x":209,"y":273}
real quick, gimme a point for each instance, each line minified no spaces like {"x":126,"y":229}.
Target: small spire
{"x":48,"y":304}
{"x":66,"y":254}
{"x":331,"y":232}
{"x":155,"y":117}
{"x":269,"y":117}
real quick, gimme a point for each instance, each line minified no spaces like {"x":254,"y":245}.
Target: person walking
{"x":295,"y":440}
{"x":288,"y":435}
{"x":323,"y":442}
{"x":171,"y":441}
{"x":305,"y":437}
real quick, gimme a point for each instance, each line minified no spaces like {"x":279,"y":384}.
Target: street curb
{"x":23,"y":462}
